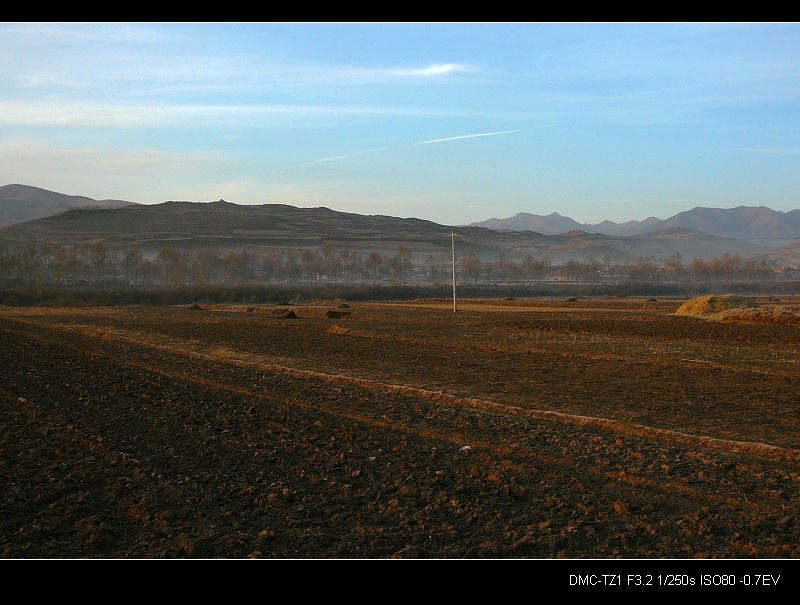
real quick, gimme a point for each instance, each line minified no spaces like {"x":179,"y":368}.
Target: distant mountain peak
{"x":756,"y":224}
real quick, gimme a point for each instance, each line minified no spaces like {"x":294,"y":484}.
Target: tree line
{"x":99,"y":265}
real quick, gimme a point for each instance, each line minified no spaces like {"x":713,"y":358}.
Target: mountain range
{"x":755,"y":224}
{"x":225,"y":226}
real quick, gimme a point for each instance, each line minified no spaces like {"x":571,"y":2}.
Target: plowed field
{"x":600,"y":428}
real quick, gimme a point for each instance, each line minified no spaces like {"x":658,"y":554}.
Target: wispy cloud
{"x":437,"y":69}
{"x":78,"y":114}
{"x":112,"y":33}
{"x":770,"y":150}
{"x":434,"y":71}
{"x":471,"y":136}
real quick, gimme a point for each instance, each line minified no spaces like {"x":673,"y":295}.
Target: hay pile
{"x":337,"y":314}
{"x":196,"y":307}
{"x":338,"y":330}
{"x":771,"y":314}
{"x":288,"y":315}
{"x":709,"y":305}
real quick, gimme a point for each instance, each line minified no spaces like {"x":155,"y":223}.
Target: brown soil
{"x":616,"y":432}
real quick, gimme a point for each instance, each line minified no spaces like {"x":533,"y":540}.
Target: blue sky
{"x":452,"y":123}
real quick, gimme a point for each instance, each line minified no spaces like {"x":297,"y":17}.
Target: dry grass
{"x":708,"y":305}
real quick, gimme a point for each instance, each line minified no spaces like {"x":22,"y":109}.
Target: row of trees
{"x":101,"y":265}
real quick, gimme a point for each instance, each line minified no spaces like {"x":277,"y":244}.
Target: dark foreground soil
{"x":114,"y":446}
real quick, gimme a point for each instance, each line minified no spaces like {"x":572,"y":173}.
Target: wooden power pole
{"x":453,"y":243}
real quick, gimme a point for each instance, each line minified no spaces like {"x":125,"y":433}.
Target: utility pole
{"x":453,"y":243}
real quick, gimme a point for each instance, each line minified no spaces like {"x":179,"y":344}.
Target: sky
{"x":448,"y":122}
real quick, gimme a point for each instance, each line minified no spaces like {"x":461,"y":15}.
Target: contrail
{"x":495,"y":133}
{"x":471,"y":136}
{"x":336,"y":158}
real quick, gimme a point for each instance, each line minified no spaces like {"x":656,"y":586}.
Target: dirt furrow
{"x":622,"y":428}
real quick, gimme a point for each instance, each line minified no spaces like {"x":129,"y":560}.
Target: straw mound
{"x":195,"y":307}
{"x":337,"y":314}
{"x":338,"y":330}
{"x":238,"y":308}
{"x":772,"y":314}
{"x":708,"y":305}
{"x":289,"y":315}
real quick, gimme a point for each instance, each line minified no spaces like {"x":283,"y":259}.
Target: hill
{"x":20,"y":203}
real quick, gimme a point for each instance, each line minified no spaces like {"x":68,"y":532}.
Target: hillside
{"x":757,"y":224}
{"x":20,"y":203}
{"x":223,"y":225}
